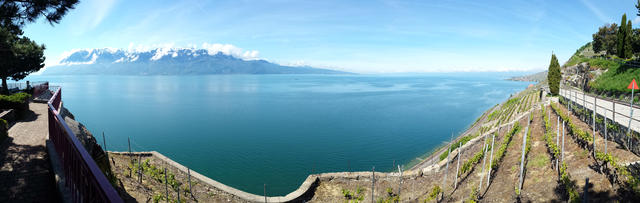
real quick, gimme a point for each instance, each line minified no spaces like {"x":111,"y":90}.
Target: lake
{"x":250,"y":130}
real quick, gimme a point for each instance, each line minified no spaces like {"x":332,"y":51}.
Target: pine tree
{"x":628,"y":48}
{"x":554,"y":75}
{"x":19,"y":55}
{"x":622,"y":32}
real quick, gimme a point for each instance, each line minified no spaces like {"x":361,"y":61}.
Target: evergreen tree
{"x":16,"y":13}
{"x":628,"y":47}
{"x":554,"y":75}
{"x":606,"y":39}
{"x":622,"y":32}
{"x":638,"y":7}
{"x":20,"y":57}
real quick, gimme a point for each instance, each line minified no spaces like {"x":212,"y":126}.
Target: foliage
{"x":19,"y":101}
{"x":632,"y":181}
{"x":158,"y":197}
{"x":503,"y":147}
{"x":391,"y":197}
{"x":14,"y":14}
{"x":554,"y":76}
{"x":473,"y":196}
{"x":569,"y":186}
{"x":357,"y":196}
{"x":582,"y":136}
{"x":605,"y":39}
{"x":20,"y":57}
{"x":622,"y":36}
{"x":156,"y":173}
{"x":456,"y":144}
{"x":434,"y":193}
{"x":474,"y":160}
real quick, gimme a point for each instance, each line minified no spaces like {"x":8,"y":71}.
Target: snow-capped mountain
{"x":168,"y":61}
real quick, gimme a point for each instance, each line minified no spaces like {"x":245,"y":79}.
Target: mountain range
{"x":168,"y":61}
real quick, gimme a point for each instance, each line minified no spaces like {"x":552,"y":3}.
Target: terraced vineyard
{"x":485,"y":164}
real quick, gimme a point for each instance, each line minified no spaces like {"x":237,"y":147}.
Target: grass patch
{"x":539,"y":161}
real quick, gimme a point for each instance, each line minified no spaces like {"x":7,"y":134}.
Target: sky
{"x":373,"y":36}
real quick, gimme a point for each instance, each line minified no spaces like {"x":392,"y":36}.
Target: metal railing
{"x":82,"y":175}
{"x":613,"y":110}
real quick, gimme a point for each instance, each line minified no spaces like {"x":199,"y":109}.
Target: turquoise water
{"x":248,"y":130}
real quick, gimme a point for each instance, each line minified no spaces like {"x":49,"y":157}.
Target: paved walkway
{"x":25,"y":171}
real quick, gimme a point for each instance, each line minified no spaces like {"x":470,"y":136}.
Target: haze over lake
{"x":248,"y":130}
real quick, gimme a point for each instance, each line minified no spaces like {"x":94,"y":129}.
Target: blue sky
{"x":375,"y":36}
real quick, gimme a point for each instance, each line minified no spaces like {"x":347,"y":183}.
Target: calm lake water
{"x":248,"y":130}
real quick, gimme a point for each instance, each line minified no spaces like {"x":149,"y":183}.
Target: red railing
{"x":82,"y":175}
{"x":40,"y":88}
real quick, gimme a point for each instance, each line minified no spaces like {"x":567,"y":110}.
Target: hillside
{"x":168,"y":62}
{"x":605,"y":75}
{"x":536,"y":77}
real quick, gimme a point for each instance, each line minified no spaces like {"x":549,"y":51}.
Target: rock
{"x":578,"y":75}
{"x":88,"y":141}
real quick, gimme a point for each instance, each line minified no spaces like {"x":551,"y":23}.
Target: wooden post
{"x":131,"y":160}
{"x":189,"y":177}
{"x":139,"y":169}
{"x":373,"y":182}
{"x":557,"y":141}
{"x":493,"y":139}
{"x":444,"y":181}
{"x":562,"y":153}
{"x":166,"y":187}
{"x":524,"y":145}
{"x":605,"y":131}
{"x":484,"y":160}
{"x":265,"y":193}
{"x":400,"y":186}
{"x":455,"y":182}
{"x":178,"y":192}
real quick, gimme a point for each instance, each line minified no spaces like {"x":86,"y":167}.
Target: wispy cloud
{"x":596,"y":11}
{"x":91,"y":14}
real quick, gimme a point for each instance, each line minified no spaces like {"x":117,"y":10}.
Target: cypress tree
{"x":628,"y":47}
{"x":554,"y":75}
{"x":622,"y":32}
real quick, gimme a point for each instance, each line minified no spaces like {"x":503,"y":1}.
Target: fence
{"x":82,"y":175}
{"x":615,"y":111}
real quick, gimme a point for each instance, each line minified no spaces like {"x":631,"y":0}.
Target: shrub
{"x":434,"y":193}
{"x":18,"y":101}
{"x":3,"y":130}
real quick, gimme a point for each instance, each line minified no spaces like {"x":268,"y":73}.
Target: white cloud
{"x":229,"y":49}
{"x":636,"y":20}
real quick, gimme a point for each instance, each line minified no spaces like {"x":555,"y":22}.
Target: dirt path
{"x":470,"y":180}
{"x":25,"y":171}
{"x":502,"y":186}
{"x":540,"y":175}
{"x":581,"y":165}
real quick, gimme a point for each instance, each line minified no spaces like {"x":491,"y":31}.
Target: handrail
{"x":626,"y":105}
{"x":83,"y":176}
{"x":567,"y":91}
